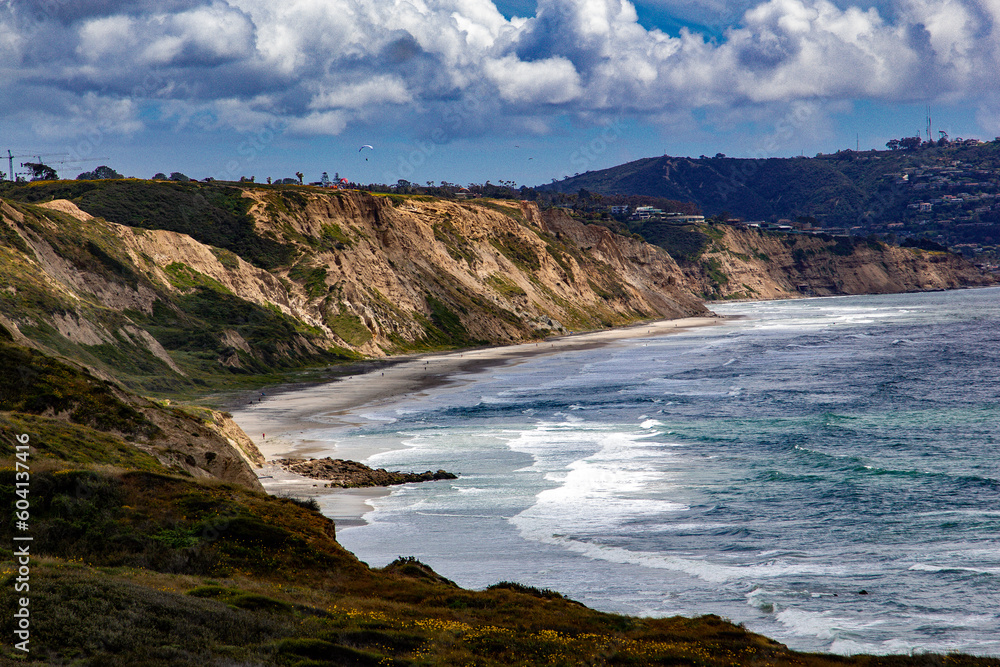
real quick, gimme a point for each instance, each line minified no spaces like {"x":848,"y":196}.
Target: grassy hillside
{"x":754,"y":189}
{"x":78,"y":290}
{"x":216,"y":215}
{"x":79,"y":418}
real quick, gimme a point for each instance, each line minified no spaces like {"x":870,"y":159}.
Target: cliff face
{"x":368,"y":275}
{"x":751,"y":264}
{"x":381,"y":274}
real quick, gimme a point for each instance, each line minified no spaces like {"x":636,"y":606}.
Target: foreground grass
{"x":130,"y":617}
{"x":147,"y":568}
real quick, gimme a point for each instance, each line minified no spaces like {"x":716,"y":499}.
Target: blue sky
{"x":472,"y":90}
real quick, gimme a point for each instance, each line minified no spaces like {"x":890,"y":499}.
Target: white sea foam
{"x":854,"y":647}
{"x":761,"y":599}
{"x":824,"y":624}
{"x":701,"y":568}
{"x":377,"y":417}
{"x":934,"y":569}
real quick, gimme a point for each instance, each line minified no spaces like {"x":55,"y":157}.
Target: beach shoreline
{"x":283,"y":423}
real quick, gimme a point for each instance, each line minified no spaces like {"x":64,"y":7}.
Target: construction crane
{"x":71,"y":162}
{"x":39,"y":156}
{"x":79,"y":161}
{"x":11,"y":156}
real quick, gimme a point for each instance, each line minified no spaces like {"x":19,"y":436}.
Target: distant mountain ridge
{"x":868,"y":190}
{"x":747,"y":188}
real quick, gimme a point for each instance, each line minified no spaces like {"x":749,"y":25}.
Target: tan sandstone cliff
{"x":506,"y":271}
{"x":750,"y":264}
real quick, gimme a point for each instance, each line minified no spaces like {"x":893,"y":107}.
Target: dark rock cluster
{"x":351,"y":474}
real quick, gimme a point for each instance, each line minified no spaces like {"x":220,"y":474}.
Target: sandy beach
{"x":285,"y":424}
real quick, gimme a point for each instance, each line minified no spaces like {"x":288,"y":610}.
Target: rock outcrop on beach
{"x":351,"y":474}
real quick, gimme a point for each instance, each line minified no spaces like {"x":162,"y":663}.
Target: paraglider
{"x":368,"y":146}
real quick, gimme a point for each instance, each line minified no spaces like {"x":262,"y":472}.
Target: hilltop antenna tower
{"x":928,"y":124}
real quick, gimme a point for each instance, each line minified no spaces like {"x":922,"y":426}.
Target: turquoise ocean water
{"x":825,"y":471}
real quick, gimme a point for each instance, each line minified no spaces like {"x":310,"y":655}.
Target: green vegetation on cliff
{"x":216,"y":215}
{"x":164,"y":314}
{"x":196,"y":323}
{"x":36,"y":384}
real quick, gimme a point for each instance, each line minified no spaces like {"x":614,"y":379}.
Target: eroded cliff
{"x":367,"y":276}
{"x":752,"y":264}
{"x":384,"y":274}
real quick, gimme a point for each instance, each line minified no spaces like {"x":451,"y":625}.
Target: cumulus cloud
{"x":377,"y":90}
{"x":319,"y":123}
{"x":202,"y":36}
{"x":317,"y":66}
{"x":549,"y":81}
{"x":790,"y":49}
{"x":90,"y":114}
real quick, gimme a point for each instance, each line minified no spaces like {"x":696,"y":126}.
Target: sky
{"x":469,"y":91}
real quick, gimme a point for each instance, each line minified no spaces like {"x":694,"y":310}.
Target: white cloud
{"x":90,"y":115}
{"x":320,"y":123}
{"x":380,"y":89}
{"x":794,"y":49}
{"x":10,"y":46}
{"x":106,"y":36}
{"x":203,"y":36}
{"x":549,"y":81}
{"x":316,"y":66}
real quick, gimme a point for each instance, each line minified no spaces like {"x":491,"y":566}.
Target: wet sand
{"x":283,"y":423}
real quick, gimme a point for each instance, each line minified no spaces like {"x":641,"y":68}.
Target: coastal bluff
{"x":751,"y":264}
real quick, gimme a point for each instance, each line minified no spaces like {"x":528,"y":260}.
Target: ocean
{"x":824,"y":471}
